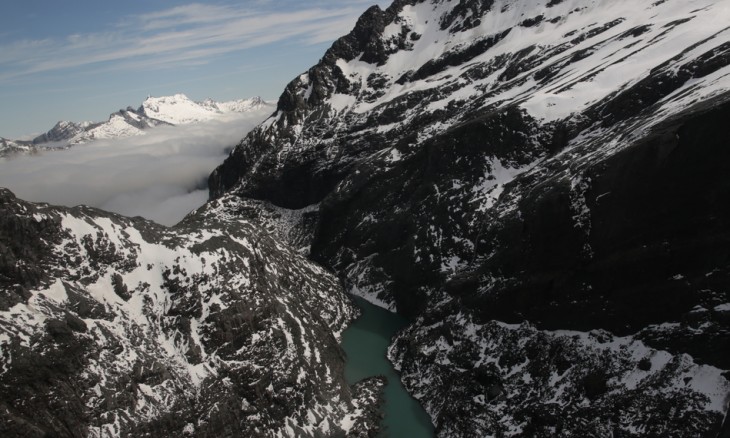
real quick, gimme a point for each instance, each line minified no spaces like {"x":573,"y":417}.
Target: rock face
{"x":112,"y":326}
{"x":542,"y":186}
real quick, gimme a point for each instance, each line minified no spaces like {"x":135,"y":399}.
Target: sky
{"x":84,"y":59}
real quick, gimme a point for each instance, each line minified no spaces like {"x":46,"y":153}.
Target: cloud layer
{"x":161,"y":175}
{"x":184,"y":35}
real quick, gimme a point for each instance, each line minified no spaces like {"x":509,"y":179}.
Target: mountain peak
{"x":179,"y":109}
{"x":176,"y":109}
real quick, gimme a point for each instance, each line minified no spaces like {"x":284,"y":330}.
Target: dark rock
{"x":75,"y":323}
{"x":644,"y":364}
{"x":594,"y":384}
{"x":120,"y":288}
{"x":58,"y":328}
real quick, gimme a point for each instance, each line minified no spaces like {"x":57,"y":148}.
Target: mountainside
{"x":9,"y":147}
{"x":179,"y":109}
{"x":154,"y":111}
{"x":112,"y":326}
{"x":123,"y":123}
{"x":542,"y":186}
{"x":63,"y":130}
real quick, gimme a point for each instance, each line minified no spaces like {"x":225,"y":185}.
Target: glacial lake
{"x":366,"y":343}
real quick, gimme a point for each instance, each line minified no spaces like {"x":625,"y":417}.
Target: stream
{"x":366,"y":342}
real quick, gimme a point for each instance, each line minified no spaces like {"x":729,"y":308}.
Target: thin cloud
{"x":160,"y":175}
{"x":183,"y":35}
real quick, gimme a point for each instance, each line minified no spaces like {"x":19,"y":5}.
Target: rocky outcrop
{"x":62,"y":131}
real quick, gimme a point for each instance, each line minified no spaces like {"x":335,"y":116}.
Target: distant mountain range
{"x":154,"y":111}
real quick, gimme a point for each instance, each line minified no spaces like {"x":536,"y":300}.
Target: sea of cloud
{"x":161,"y":175}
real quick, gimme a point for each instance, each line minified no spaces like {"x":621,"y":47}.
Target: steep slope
{"x":123,"y":123}
{"x":426,"y":66}
{"x":63,"y":130}
{"x":546,"y":178}
{"x":112,"y":326}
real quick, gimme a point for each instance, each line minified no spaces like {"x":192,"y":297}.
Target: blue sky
{"x":81,"y":60}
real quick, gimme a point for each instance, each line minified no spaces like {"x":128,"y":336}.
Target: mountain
{"x":63,"y":131}
{"x":542,"y":187}
{"x":154,"y":111}
{"x":121,"y":327}
{"x":9,"y":147}
{"x":179,"y":110}
{"x":123,"y":123}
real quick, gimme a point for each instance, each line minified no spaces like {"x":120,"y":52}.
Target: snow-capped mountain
{"x":124,"y":123}
{"x":111,"y":326}
{"x":179,"y":109}
{"x":154,"y":111}
{"x":62,"y":131}
{"x":9,"y":147}
{"x":541,"y":185}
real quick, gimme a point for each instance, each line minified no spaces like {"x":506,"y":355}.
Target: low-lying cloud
{"x":160,"y":176}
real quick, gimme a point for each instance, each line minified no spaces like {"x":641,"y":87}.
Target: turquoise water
{"x":366,"y":342}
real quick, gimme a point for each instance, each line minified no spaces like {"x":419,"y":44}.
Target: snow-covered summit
{"x":154,"y":111}
{"x":241,"y":105}
{"x":64,"y":130}
{"x":552,"y":58}
{"x":179,"y":109}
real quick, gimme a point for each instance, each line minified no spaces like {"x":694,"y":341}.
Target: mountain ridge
{"x":177,"y":109}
